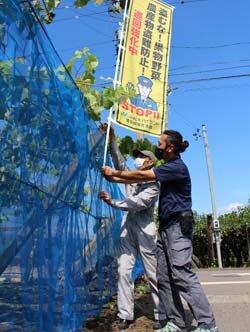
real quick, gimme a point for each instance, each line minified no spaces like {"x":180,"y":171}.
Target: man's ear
{"x":171,"y":148}
{"x":151,"y":163}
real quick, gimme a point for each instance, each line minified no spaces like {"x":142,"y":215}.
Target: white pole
{"x":212,"y":193}
{"x":115,"y":81}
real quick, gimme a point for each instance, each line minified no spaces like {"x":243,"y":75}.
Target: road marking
{"x":226,"y":299}
{"x":225,"y":282}
{"x":245,"y":274}
{"x":236,"y":299}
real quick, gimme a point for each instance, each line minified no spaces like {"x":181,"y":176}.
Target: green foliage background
{"x":235,"y":233}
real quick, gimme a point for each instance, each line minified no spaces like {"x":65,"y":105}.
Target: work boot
{"x":124,"y":324}
{"x":159,"y":324}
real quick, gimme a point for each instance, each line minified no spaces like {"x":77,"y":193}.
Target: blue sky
{"x":210,"y":40}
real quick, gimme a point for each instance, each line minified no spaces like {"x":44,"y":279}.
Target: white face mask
{"x":138,"y":162}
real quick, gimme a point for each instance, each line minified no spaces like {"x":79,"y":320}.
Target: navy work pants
{"x":175,"y":278}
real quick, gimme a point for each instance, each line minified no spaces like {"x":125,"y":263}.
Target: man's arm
{"x":139,"y":202}
{"x":136,"y":176}
{"x":117,"y":158}
{"x":144,"y":200}
{"x":119,"y":180}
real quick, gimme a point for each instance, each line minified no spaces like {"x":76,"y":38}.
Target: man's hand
{"x":104,"y":127}
{"x":107,"y":171}
{"x":105,"y":197}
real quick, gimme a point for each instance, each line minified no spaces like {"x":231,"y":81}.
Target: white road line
{"x":225,"y":282}
{"x":233,"y":299}
{"x":231,"y":274}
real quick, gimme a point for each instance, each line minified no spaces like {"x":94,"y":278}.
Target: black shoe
{"x":159,"y":324}
{"x":124,"y":324}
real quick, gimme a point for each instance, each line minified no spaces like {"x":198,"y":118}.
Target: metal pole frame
{"x":115,"y":81}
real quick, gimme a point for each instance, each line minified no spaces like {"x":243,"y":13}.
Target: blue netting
{"x":58,"y":241}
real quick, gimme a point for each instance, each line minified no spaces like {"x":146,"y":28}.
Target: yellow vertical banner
{"x":144,"y":67}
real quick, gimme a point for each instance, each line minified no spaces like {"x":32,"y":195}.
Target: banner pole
{"x":115,"y":81}
{"x":144,"y":67}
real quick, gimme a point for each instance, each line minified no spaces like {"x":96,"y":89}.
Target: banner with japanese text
{"x":144,"y":67}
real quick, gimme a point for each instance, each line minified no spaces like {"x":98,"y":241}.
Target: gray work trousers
{"x":136,"y":241}
{"x":175,"y":278}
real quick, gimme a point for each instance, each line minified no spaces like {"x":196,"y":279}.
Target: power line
{"x":85,"y":15}
{"x":211,"y":79}
{"x":128,"y":69}
{"x":209,"y":47}
{"x":89,"y":45}
{"x":188,"y":122}
{"x":210,"y":70}
{"x":233,"y":86}
{"x":183,"y":2}
{"x":208,"y":64}
{"x":96,"y":30}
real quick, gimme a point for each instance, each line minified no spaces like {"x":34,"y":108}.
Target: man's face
{"x":168,"y":149}
{"x":162,"y":143}
{"x":144,"y":91}
{"x":148,"y":163}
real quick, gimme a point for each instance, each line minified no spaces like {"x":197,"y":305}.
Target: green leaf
{"x":52,"y":4}
{"x":91,"y":62}
{"x":107,"y":103}
{"x":80,"y":3}
{"x":70,"y":64}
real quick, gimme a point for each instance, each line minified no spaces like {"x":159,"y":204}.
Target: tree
{"x":234,"y":229}
{"x":200,"y":240}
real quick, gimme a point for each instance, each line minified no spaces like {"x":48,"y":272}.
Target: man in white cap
{"x":138,"y":235}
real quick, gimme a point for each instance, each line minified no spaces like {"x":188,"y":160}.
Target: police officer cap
{"x":143,"y":80}
{"x":145,"y":153}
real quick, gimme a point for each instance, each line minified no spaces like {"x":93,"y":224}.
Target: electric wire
{"x":209,"y":70}
{"x":212,"y":47}
{"x":208,"y":64}
{"x":211,"y":79}
{"x":183,"y":2}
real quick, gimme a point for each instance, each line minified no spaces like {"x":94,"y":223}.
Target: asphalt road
{"x":228,"y":291}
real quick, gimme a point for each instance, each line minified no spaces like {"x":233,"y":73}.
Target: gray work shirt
{"x":140,"y":198}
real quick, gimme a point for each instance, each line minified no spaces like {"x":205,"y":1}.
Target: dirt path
{"x":108,"y":322}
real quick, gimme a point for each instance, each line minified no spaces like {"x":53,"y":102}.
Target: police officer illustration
{"x":142,"y":99}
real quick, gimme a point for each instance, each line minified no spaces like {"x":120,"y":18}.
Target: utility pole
{"x":216,"y":224}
